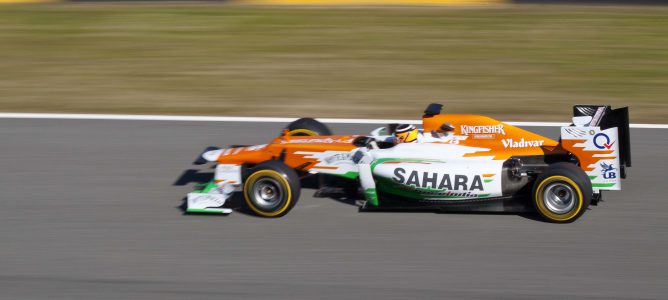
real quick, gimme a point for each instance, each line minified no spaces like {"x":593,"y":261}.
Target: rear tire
{"x":271,"y":189}
{"x":562,"y":194}
{"x":307,"y":127}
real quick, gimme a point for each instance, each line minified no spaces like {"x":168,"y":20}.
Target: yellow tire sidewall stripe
{"x":275,"y":175}
{"x":305,"y":131}
{"x":546,"y":212}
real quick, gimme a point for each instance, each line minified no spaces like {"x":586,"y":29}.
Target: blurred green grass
{"x":509,"y":62}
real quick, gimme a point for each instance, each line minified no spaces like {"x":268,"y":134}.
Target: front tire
{"x":271,"y":189}
{"x":307,"y":127}
{"x":562,"y":194}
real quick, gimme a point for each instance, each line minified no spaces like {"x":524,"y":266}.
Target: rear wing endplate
{"x":605,"y":117}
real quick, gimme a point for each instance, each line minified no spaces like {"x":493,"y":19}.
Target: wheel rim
{"x":268,"y":193}
{"x":559,"y":198}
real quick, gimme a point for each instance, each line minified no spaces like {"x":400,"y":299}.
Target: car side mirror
{"x":362,"y":141}
{"x":447,"y":127}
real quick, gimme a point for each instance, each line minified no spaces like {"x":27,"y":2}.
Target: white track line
{"x":257,"y":119}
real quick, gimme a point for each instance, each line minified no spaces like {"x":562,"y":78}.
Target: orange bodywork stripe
{"x":326,"y":168}
{"x":586,"y":157}
{"x":492,"y":141}
{"x":285,"y":148}
{"x":500,"y":144}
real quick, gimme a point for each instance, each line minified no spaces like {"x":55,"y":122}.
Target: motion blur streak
{"x":375,"y":2}
{"x":509,"y":62}
{"x":28,"y":1}
{"x":260,"y":119}
{"x":90,"y":211}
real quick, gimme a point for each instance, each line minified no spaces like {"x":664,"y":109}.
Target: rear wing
{"x":605,"y":117}
{"x":599,"y":139}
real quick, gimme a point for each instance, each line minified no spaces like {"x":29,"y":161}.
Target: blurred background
{"x":513,"y":60}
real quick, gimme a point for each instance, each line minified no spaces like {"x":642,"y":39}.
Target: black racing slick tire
{"x":307,"y":127}
{"x":271,"y":189}
{"x":562,"y":194}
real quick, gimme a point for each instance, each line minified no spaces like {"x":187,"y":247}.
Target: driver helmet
{"x":406,"y":133}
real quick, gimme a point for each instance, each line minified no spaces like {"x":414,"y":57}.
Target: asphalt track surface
{"x":90,"y":210}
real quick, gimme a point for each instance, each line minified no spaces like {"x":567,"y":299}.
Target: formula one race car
{"x":456,"y":162}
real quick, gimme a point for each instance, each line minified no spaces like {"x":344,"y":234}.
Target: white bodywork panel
{"x":212,"y":155}
{"x":451,"y":180}
{"x":439,"y":151}
{"x":228,"y":179}
{"x":416,"y":166}
{"x":228,"y":173}
{"x":439,"y":171}
{"x":207,"y":202}
{"x":332,"y":162}
{"x":603,"y":147}
{"x":211,"y":201}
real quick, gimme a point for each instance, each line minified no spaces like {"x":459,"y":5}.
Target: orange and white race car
{"x":455,"y":162}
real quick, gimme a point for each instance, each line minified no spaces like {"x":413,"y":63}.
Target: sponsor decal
{"x":602,"y":141}
{"x":488,"y":177}
{"x":208,"y":200}
{"x":338,"y":157}
{"x":227,"y":168}
{"x":312,"y":141}
{"x":484,"y":136}
{"x":608,"y":171}
{"x":437,"y":181}
{"x":460,"y":195}
{"x":482,"y":129}
{"x":455,"y":139}
{"x":522,"y":143}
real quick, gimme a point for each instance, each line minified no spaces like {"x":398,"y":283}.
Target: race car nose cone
{"x":212,"y":155}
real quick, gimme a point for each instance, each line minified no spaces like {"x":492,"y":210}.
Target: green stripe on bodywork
{"x":389,"y":187}
{"x":592,"y":177}
{"x":204,"y":210}
{"x":371,"y":196}
{"x":349,"y":175}
{"x":420,"y":193}
{"x":603,"y":184}
{"x":205,"y":187}
{"x":488,"y":180}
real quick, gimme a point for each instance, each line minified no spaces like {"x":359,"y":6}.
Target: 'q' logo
{"x":602,"y":137}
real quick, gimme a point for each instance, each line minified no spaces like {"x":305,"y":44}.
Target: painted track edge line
{"x":257,"y":119}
